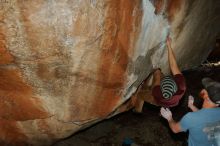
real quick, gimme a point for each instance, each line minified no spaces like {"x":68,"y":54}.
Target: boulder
{"x":65,"y":65}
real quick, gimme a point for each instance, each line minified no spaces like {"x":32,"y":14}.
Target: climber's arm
{"x":156,"y":78}
{"x":172,"y":60}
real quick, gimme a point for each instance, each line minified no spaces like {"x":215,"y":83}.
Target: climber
{"x":166,"y":90}
{"x":197,"y":122}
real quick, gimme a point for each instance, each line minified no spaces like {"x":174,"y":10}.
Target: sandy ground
{"x":146,"y":129}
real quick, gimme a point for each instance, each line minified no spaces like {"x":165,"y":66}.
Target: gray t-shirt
{"x":213,"y":132}
{"x":195,"y":122}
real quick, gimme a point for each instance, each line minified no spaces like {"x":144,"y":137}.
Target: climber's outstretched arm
{"x":171,"y":57}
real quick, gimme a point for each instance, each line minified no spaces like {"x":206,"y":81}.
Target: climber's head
{"x":168,"y":87}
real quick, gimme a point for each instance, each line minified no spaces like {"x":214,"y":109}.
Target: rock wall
{"x":65,"y":65}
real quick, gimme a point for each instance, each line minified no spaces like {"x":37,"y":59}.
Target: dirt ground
{"x":148,"y":128}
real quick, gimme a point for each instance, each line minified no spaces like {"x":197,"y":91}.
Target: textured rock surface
{"x":65,"y":65}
